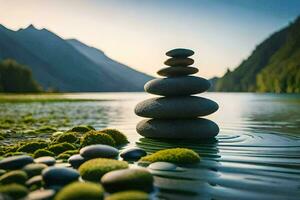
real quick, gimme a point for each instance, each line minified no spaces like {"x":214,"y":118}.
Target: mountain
{"x":57,"y":63}
{"x":274,"y":66}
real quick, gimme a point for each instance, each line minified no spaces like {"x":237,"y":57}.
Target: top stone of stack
{"x":179,"y":63}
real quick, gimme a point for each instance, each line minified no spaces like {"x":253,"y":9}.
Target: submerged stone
{"x":180,"y":53}
{"x":15,"y":162}
{"x":176,"y":107}
{"x":163,"y":166}
{"x":177,"y":71}
{"x":177,"y":86}
{"x":197,"y":128}
{"x":98,"y":151}
{"x":128,"y":179}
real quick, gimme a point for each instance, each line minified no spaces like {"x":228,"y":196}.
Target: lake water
{"x":255,"y":156}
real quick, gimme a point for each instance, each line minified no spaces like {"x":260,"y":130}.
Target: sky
{"x":139,"y":32}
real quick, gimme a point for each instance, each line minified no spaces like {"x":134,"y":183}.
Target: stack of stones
{"x":177,"y":114}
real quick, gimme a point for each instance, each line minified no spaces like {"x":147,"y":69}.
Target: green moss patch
{"x":97,"y":137}
{"x":118,"y":136}
{"x":15,"y":191}
{"x":34,"y":169}
{"x":61,"y":147}
{"x":81,"y":129}
{"x":175,"y":155}
{"x":80,"y":191}
{"x":94,"y":169}
{"x":31,"y":147}
{"x":16,"y":176}
{"x":69,"y":137}
{"x":130,"y":194}
{"x":43,"y":152}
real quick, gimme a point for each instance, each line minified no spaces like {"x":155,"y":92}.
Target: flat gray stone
{"x":15,"y":162}
{"x":179,"y":62}
{"x":98,"y":151}
{"x":176,"y":107}
{"x":198,"y":128}
{"x":177,"y":71}
{"x":180,"y":53}
{"x":177,"y":86}
{"x":133,"y":154}
{"x":76,"y":160}
{"x":163,"y":166}
{"x":127,"y":179}
{"x":47,"y":160}
{"x":41,"y":195}
{"x":59,"y":176}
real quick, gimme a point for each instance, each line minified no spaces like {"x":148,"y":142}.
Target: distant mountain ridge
{"x":67,"y":65}
{"x":274,"y":66}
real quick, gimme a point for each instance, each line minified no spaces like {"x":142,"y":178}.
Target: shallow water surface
{"x":255,"y":156}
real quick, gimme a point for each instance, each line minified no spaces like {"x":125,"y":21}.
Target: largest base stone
{"x":197,"y":128}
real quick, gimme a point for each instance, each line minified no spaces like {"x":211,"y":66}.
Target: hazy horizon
{"x":138,"y":33}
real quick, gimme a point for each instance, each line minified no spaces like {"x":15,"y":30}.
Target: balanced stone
{"x":176,"y":107}
{"x":180,"y":53}
{"x":197,"y":128}
{"x":47,"y":160}
{"x":15,"y":162}
{"x":59,"y":176}
{"x":179,"y":62}
{"x":177,"y":86}
{"x":76,"y":160}
{"x":98,"y":151}
{"x":133,"y":154}
{"x":177,"y":71}
{"x":128,"y":179}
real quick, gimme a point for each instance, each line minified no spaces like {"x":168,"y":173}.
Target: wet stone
{"x":133,"y":154}
{"x":35,"y":180}
{"x":47,"y":160}
{"x":41,"y":195}
{"x":59,"y":176}
{"x":163,"y":166}
{"x":198,"y":128}
{"x":176,"y":107}
{"x":76,"y":160}
{"x":177,"y":71}
{"x":177,"y":86}
{"x":180,"y":53}
{"x":179,"y":62}
{"x":128,"y":179}
{"x":15,"y":162}
{"x":98,"y":151}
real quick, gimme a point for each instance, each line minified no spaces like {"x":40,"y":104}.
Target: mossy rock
{"x":31,"y":147}
{"x":14,"y":154}
{"x":128,"y":179}
{"x":97,"y":137}
{"x":61,"y":147}
{"x":15,"y":176}
{"x":46,"y":129}
{"x":56,"y":135}
{"x":34,"y":169}
{"x":80,"y":191}
{"x":72,"y":152}
{"x":15,"y":191}
{"x":118,"y":136}
{"x":175,"y":155}
{"x":94,"y":169}
{"x":42,"y":153}
{"x":81,"y":129}
{"x":63,"y":156}
{"x":130,"y":194}
{"x":69,"y":137}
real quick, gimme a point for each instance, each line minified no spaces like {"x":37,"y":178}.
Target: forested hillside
{"x":274,"y":66}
